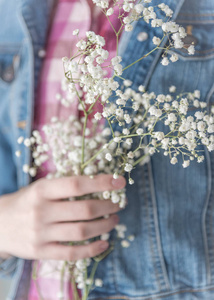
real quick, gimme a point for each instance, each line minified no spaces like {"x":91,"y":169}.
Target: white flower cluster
{"x":87,"y":78}
{"x":182,"y":132}
{"x":145,"y":123}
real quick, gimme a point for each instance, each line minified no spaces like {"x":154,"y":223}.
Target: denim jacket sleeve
{"x":23,"y":33}
{"x":7,"y":266}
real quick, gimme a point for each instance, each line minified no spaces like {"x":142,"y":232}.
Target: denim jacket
{"x":170,"y":209}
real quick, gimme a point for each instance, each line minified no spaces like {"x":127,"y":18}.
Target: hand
{"x":35,"y":219}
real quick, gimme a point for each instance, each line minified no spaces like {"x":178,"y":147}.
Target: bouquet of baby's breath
{"x":117,"y":130}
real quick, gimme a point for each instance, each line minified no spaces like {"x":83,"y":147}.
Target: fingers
{"x":80,"y":231}
{"x":65,"y":211}
{"x":71,"y":253}
{"x":61,"y":188}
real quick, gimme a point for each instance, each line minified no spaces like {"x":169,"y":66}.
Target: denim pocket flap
{"x":202,"y":37}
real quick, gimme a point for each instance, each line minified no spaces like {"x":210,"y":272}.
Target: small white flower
{"x":115,"y":175}
{"x":191,"y":50}
{"x":129,"y":141}
{"x":27,"y":142}
{"x":165,"y":61}
{"x":108,"y":156}
{"x":110,"y":12}
{"x":172,"y":117}
{"x":32,"y":172}
{"x":127,"y":82}
{"x":174,"y":58}
{"x":105,"y":236}
{"x":118,"y":69}
{"x":127,"y":118}
{"x":172,"y":89}
{"x":139,"y":8}
{"x":25,"y":168}
{"x":98,"y":116}
{"x":141,"y":88}
{"x":106,"y":195}
{"x":131,"y":238}
{"x":174,"y":160}
{"x":125,"y":244}
{"x":117,"y":139}
{"x":64,"y":60}
{"x":156,"y":40}
{"x":197,"y":94}
{"x":98,"y":282}
{"x":76,"y":32}
{"x":115,"y":198}
{"x":20,"y":140}
{"x":128,"y":167}
{"x":131,"y":181}
{"x":159,"y":135}
{"x":89,"y":281}
{"x":18,"y":153}
{"x":139,"y":131}
{"x":126,"y":131}
{"x":186,"y":163}
{"x":200,"y":159}
{"x":116,"y":60}
{"x":128,"y":27}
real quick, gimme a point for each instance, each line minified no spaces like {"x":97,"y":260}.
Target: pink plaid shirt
{"x":70,"y":15}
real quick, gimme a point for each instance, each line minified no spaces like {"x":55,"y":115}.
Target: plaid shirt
{"x":70,"y":15}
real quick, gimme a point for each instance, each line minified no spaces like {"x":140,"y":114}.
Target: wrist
{"x":4,"y":255}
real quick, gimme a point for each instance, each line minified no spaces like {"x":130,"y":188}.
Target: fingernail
{"x":115,"y":219}
{"x":104,"y":245}
{"x":118,"y":183}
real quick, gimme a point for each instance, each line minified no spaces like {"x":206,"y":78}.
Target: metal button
{"x":8,"y":74}
{"x":42,"y":53}
{"x":142,"y":36}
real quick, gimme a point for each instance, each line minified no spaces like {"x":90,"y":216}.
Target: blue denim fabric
{"x":23,"y":34}
{"x":170,"y":209}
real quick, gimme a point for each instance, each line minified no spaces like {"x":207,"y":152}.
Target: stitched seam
{"x":193,"y":58}
{"x":147,"y":218}
{"x":210,"y":229}
{"x":195,"y":21}
{"x":165,"y":278}
{"x":157,"y":296}
{"x":196,"y":15}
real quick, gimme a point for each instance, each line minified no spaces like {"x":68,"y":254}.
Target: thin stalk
{"x":91,"y":277}
{"x":92,"y":105}
{"x":140,"y":59}
{"x":112,"y":131}
{"x":111,"y":25}
{"x":144,"y":55}
{"x":34,"y":277}
{"x":62,"y":277}
{"x":74,"y":288}
{"x":139,"y":160}
{"x":83,"y":140}
{"x":95,"y":155}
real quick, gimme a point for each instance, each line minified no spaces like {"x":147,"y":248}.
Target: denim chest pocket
{"x":199,"y":35}
{"x":9,"y":67}
{"x":9,"y":63}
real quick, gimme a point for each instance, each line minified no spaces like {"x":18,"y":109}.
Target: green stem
{"x":83,"y":140}
{"x":95,"y":155}
{"x":34,"y":277}
{"x":143,"y":56}
{"x":74,"y":288}
{"x":140,"y":59}
{"x":62,"y":277}
{"x":91,"y":277}
{"x":139,"y":160}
